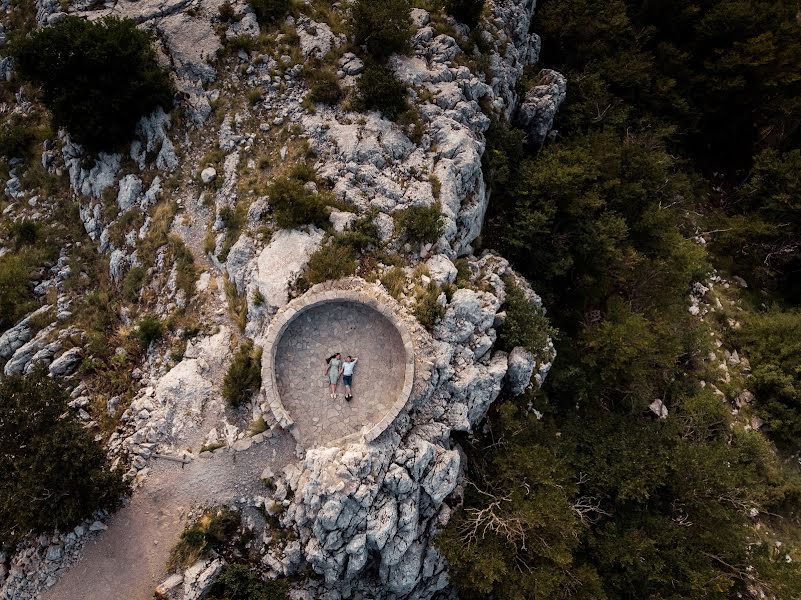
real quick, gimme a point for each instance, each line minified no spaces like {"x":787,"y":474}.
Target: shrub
{"x":98,"y":78}
{"x":379,"y":89}
{"x":421,"y":224}
{"x":149,"y":329}
{"x":383,"y":26}
{"x":16,"y":138}
{"x":133,"y":282}
{"x":25,"y":233}
{"x":329,"y":263}
{"x":237,"y":582}
{"x":466,"y":11}
{"x":395,"y":282}
{"x":293,"y":205}
{"x":270,"y":11}
{"x":16,"y":293}
{"x":772,"y":340}
{"x":243,"y":378}
{"x":54,"y":474}
{"x":525,"y":324}
{"x":323,"y":85}
{"x":427,"y":309}
{"x":227,"y":12}
{"x":204,"y":535}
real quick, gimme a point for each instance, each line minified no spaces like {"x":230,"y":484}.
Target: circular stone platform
{"x":312,"y":328}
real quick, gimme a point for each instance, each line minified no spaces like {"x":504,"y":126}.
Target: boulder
{"x":520,"y":369}
{"x":538,"y":110}
{"x":282,"y":261}
{"x":200,"y":576}
{"x":441,"y":268}
{"x":66,"y":363}
{"x":208,"y":174}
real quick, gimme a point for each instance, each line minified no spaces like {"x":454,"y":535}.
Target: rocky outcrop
{"x":538,"y":109}
{"x":365,"y":513}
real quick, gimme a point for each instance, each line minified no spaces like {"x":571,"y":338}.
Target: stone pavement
{"x":349,"y":328}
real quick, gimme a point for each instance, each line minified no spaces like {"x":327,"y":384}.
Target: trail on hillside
{"x":127,"y":561}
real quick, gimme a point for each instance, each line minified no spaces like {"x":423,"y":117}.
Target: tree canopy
{"x":98,"y":78}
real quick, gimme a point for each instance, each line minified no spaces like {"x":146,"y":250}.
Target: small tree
{"x":97,"y":78}
{"x":383,"y":26}
{"x":525,"y":325}
{"x":149,"y":329}
{"x":54,"y":474}
{"x":379,"y":89}
{"x":243,"y":378}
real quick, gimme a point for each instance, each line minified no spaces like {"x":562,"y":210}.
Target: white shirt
{"x":347,"y":367}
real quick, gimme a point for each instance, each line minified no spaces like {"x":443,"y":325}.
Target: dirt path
{"x":127,"y":561}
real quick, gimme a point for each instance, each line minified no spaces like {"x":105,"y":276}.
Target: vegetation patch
{"x":420,"y":224}
{"x":243,"y":378}
{"x":98,"y":78}
{"x":383,"y":27}
{"x":211,"y":531}
{"x":55,"y":474}
{"x":238,"y":582}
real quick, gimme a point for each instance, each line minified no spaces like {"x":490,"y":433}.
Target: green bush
{"x":293,"y":205}
{"x":149,"y":329}
{"x":16,"y":138}
{"x":206,"y":534}
{"x":270,"y":11}
{"x":426,"y":308}
{"x":420,"y":224}
{"x":227,"y":13}
{"x":382,"y":26}
{"x":772,"y":341}
{"x":525,"y":324}
{"x":329,"y":263}
{"x":237,"y":582}
{"x":133,"y":283}
{"x":54,"y":474}
{"x":466,"y":11}
{"x":97,"y":77}
{"x":379,"y":89}
{"x":243,"y":378}
{"x":16,"y":292}
{"x":323,"y":84}
{"x":25,"y":233}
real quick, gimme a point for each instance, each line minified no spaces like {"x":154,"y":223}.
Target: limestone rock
{"x":208,"y":174}
{"x":200,"y":576}
{"x":538,"y":110}
{"x":441,"y":268}
{"x":280,"y":263}
{"x":520,"y":370}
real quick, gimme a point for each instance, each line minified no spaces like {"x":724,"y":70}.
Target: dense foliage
{"x":383,"y":27}
{"x":243,"y":378}
{"x":54,"y":473}
{"x":680,"y":119}
{"x":237,"y":582}
{"x":379,"y":89}
{"x":420,"y":224}
{"x":293,"y":204}
{"x":772,"y":340}
{"x":97,"y":77}
{"x":270,"y":11}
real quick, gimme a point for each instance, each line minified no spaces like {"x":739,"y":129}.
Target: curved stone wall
{"x":364,"y":322}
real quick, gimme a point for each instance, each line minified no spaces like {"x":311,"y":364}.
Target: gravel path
{"x":127,"y":561}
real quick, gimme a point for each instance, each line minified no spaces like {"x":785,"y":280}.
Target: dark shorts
{"x":347,"y":379}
